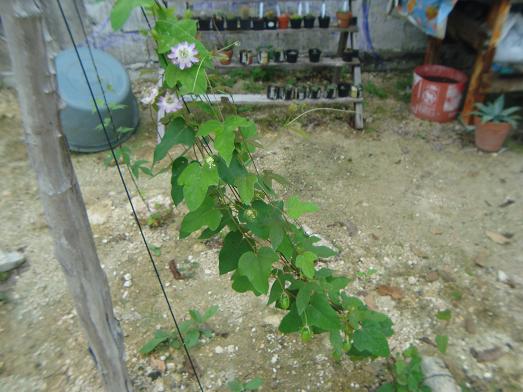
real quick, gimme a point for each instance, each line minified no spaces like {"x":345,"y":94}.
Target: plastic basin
{"x":80,"y":122}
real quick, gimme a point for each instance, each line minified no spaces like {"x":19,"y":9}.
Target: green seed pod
{"x":346,"y":346}
{"x":283,"y":301}
{"x":306,"y":334}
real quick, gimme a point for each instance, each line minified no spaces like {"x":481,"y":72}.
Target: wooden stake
{"x":59,"y":191}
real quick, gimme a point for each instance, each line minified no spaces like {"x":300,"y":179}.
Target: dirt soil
{"x":410,"y":204}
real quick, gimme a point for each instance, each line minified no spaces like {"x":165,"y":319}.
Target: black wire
{"x":122,"y":179}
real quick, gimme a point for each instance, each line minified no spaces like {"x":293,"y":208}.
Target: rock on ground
{"x":10,"y":260}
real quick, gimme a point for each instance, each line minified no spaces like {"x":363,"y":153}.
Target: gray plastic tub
{"x":79,"y":119}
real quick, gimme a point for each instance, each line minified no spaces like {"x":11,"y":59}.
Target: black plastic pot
{"x":355,"y":54}
{"x":347,"y":55}
{"x":232,"y":23}
{"x":354,"y":21}
{"x":288,"y":93}
{"x":296,"y":23}
{"x":258,"y":23}
{"x":204,"y":24}
{"x":292,"y":55}
{"x":301,"y":92}
{"x":218,"y":24}
{"x":273,"y":92}
{"x":314,"y":55}
{"x":271,"y":23}
{"x":330,"y":92}
{"x":343,"y":90}
{"x":324,"y":22}
{"x":245,"y":24}
{"x":315,"y":92}
{"x":278,"y":55}
{"x":308,"y":21}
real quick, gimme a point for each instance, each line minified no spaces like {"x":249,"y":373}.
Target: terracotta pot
{"x":343,"y":19}
{"x":283,"y":21}
{"x":226,"y":57}
{"x":490,"y":137}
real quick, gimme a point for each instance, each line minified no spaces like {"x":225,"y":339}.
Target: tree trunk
{"x":59,"y":191}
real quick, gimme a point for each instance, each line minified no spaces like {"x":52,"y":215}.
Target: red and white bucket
{"x":437,"y":92}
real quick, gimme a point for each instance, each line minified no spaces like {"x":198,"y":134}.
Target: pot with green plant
{"x":315,"y":92}
{"x":343,"y":18}
{"x":225,"y":51}
{"x":324,"y":21}
{"x":271,"y":21}
{"x":343,"y":89}
{"x":204,"y":22}
{"x":245,"y":18}
{"x":278,"y":55}
{"x":231,"y":21}
{"x":308,"y":21}
{"x":289,"y":92}
{"x":493,"y":124}
{"x":218,"y":21}
{"x":330,"y":91}
{"x":296,"y":21}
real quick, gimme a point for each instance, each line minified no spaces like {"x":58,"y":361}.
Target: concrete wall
{"x":391,"y":36}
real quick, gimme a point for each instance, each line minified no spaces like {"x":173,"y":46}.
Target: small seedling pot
{"x":204,"y":24}
{"x":226,"y":57}
{"x":289,"y":92}
{"x":330,"y":91}
{"x":263,"y":56}
{"x":355,"y":54}
{"x":246,"y":24}
{"x":343,"y":19}
{"x":258,"y":23}
{"x":308,"y":21}
{"x":315,"y":92}
{"x":347,"y":55}
{"x":292,"y":55}
{"x":273,"y":91}
{"x":278,"y":55}
{"x":271,"y":23}
{"x":343,"y":90}
{"x":490,"y":136}
{"x":354,"y":21}
{"x":324,"y":21}
{"x":232,"y":23}
{"x":314,"y":55}
{"x":246,"y":57}
{"x":355,"y":91}
{"x":218,"y":24}
{"x":296,"y":23}
{"x":301,"y":92}
{"x":283,"y":21}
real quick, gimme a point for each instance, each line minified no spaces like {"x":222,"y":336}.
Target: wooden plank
{"x":498,"y":84}
{"x":483,"y":64}
{"x":59,"y":190}
{"x":314,"y":30}
{"x":303,"y":62}
{"x":358,"y":106}
{"x":432,"y":53}
{"x":258,"y":99}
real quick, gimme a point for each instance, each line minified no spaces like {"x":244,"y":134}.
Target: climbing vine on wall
{"x":265,"y":250}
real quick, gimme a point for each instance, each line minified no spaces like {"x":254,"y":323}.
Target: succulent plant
{"x":497,"y":113}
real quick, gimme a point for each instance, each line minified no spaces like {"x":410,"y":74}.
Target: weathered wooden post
{"x":59,"y":191}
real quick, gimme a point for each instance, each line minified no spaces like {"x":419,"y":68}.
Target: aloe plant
{"x":496,"y":112}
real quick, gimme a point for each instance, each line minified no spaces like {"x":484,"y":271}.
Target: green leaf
{"x":305,"y":263}
{"x":206,"y":215}
{"x":253,"y":384}
{"x":178,"y":167}
{"x":276,"y":234}
{"x":160,"y":336}
{"x":320,"y":313}
{"x":442,"y":342}
{"x":224,"y":143}
{"x":388,"y":387}
{"x":177,"y":132}
{"x":277,"y":288}
{"x":192,"y":80}
{"x":257,"y":268}
{"x":235,"y":386}
{"x":371,"y":339}
{"x":245,"y":185}
{"x":191,"y":338}
{"x":208,"y":127}
{"x":296,"y":208}
{"x":292,"y":321}
{"x":303,"y":297}
{"x":196,"y":316}
{"x":122,"y":10}
{"x":210,"y":312}
{"x":235,"y":169}
{"x":444,"y":315}
{"x":241,"y":284}
{"x":196,"y":180}
{"x":234,"y":246}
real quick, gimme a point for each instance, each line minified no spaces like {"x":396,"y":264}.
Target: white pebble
{"x":218,"y":350}
{"x":274,"y":358}
{"x":127,"y":277}
{"x":127,"y":283}
{"x":412,"y":280}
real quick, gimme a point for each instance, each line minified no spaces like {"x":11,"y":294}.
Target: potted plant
{"x":278,"y":55}
{"x":271,"y":22}
{"x":245,"y":18}
{"x":204,"y":22}
{"x":218,"y":21}
{"x":343,"y":89}
{"x":314,"y":55}
{"x":315,"y":92}
{"x":324,"y":21}
{"x":258,"y":23}
{"x":493,"y":124}
{"x":308,"y":21}
{"x":283,"y":21}
{"x":347,"y":55}
{"x":225,"y":52}
{"x":292,"y":55}
{"x":343,"y":18}
{"x":296,"y":21}
{"x":330,"y":91}
{"x":231,"y":21}
{"x":273,"y":91}
{"x":289,"y":92}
